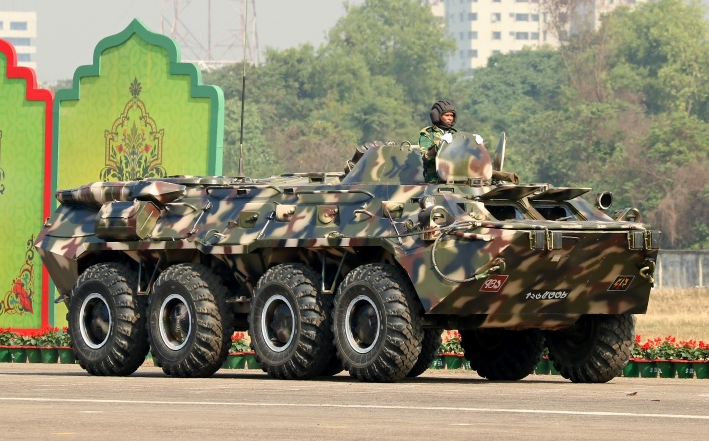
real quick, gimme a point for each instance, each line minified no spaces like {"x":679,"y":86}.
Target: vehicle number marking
{"x":547,"y":295}
{"x":621,"y":283}
{"x":494,"y":283}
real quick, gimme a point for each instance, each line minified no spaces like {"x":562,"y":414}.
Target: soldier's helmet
{"x":439,"y":108}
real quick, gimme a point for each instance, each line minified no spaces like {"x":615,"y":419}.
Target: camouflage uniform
{"x":430,"y":142}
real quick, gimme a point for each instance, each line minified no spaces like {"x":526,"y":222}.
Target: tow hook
{"x":647,"y":271}
{"x":497,"y":267}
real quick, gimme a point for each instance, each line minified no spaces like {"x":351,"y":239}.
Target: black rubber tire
{"x":190,"y":324}
{"x":289,"y":324}
{"x":429,"y":351}
{"x":107,"y":320}
{"x":595,"y":349}
{"x":377,"y":323}
{"x":500,"y":354}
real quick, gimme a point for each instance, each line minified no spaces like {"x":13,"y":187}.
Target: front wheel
{"x":499,"y":354}
{"x":107,"y":320}
{"x":377,"y":323}
{"x":595,"y":349}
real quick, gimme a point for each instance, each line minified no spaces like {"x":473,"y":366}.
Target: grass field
{"x":682,"y":313}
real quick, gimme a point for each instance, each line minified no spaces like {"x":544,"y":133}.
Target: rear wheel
{"x":190,"y":325}
{"x":377,"y":323}
{"x":429,"y":351}
{"x":499,"y":354}
{"x":107,"y":320}
{"x":595,"y":349}
{"x":289,"y":323}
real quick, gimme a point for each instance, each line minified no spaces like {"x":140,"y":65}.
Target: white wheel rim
{"x":353,"y":310}
{"x":269,"y":336}
{"x":93,"y":300}
{"x":172,"y":331}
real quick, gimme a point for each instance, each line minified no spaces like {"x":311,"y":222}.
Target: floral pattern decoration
{"x":134,"y":143}
{"x":20,"y":297}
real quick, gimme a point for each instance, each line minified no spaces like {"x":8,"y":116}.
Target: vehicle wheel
{"x":595,"y":349}
{"x":107,"y":320}
{"x":289,"y":324}
{"x":377,"y":323}
{"x":190,"y":323}
{"x":499,"y":354}
{"x":429,"y":351}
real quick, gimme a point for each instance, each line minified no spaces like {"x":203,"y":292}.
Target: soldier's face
{"x":448,"y":118}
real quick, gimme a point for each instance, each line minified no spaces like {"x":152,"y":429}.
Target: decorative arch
{"x":180,"y":118}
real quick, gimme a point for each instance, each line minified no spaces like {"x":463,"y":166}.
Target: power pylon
{"x":230,"y":20}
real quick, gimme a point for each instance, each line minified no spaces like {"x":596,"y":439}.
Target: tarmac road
{"x":49,"y":402}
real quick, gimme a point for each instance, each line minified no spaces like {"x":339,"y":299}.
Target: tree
{"x":661,"y":50}
{"x":506,"y":95}
{"x":259,"y":158}
{"x":400,"y":39}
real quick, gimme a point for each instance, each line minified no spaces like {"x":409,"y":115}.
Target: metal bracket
{"x":152,"y":278}
{"x":322,"y":278}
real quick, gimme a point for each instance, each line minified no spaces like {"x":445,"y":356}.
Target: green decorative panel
{"x":25,"y":142}
{"x":136,"y":112}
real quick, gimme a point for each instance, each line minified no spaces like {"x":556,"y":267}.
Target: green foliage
{"x":239,"y":342}
{"x":451,"y":343}
{"x":260,"y":160}
{"x":48,"y":337}
{"x":8,"y":338}
{"x":661,"y":49}
{"x":31,"y":339}
{"x":510,"y":89}
{"x":400,"y":39}
{"x":307,"y":109}
{"x":669,"y":349}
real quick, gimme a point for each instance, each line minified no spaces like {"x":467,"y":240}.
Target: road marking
{"x":364,"y":406}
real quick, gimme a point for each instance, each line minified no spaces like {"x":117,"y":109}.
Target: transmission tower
{"x":212,"y":33}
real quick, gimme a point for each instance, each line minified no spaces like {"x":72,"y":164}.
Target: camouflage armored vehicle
{"x":358,"y":270}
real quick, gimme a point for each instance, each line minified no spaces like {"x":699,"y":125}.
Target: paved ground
{"x":39,"y":401}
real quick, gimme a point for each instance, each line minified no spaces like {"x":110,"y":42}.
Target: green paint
{"x":21,"y":160}
{"x":190,"y":114}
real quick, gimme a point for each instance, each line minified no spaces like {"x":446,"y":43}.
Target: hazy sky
{"x":69,"y":30}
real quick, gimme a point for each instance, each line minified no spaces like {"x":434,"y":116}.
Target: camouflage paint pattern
{"x":479,"y":252}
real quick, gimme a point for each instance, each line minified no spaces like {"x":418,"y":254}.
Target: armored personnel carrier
{"x":358,"y":270}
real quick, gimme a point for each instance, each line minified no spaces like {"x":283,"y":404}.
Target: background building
{"x":20,"y":29}
{"x":482,"y":28}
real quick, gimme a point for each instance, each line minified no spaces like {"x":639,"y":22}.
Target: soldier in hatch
{"x":443,"y":119}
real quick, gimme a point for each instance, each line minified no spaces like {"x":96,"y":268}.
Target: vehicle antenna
{"x":240,"y":175}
